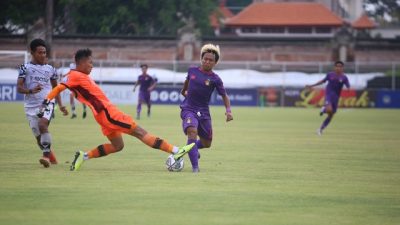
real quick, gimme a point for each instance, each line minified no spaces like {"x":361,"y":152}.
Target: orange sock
{"x":157,"y":143}
{"x":101,"y":150}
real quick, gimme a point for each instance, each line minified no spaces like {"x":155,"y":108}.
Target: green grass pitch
{"x":267,"y":166}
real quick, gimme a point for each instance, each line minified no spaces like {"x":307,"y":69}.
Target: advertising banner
{"x":388,"y":99}
{"x":270,"y":96}
{"x":316,"y":98}
{"x":238,"y":97}
{"x":8,"y":93}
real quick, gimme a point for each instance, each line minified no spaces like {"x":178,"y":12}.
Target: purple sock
{"x":325,"y":123}
{"x":193,"y":154}
{"x":199,"y":144}
{"x":138,"y":109}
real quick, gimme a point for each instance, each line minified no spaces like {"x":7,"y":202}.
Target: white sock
{"x":175,"y":150}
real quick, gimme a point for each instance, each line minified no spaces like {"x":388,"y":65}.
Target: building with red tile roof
{"x":364,"y":22}
{"x":292,"y":19}
{"x":219,"y":16}
{"x":285,"y":14}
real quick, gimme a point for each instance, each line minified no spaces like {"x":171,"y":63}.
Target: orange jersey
{"x":106,"y":114}
{"x":87,"y":91}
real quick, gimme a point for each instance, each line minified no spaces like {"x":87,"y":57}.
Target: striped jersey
{"x":33,"y":75}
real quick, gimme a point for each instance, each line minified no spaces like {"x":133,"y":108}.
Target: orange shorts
{"x":113,"y":121}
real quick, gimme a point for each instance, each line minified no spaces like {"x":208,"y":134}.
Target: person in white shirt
{"x":36,"y":79}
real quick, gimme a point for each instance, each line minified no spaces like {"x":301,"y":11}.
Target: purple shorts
{"x":144,"y":96}
{"x":203,"y":125}
{"x":333,"y":102}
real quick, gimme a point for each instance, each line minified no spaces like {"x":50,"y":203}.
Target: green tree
{"x":384,"y":11}
{"x":138,"y":17}
{"x":105,"y":17}
{"x":19,"y":15}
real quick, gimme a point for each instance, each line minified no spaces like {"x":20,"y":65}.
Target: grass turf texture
{"x":267,"y":166}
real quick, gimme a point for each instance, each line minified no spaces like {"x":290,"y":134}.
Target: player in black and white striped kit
{"x":36,"y":79}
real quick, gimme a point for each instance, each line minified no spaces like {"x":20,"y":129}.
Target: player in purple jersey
{"x":147,"y":84}
{"x":197,"y":89}
{"x":336,"y":80}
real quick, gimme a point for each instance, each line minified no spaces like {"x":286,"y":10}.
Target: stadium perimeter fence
{"x":389,"y":79}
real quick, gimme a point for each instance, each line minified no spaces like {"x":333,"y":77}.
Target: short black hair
{"x":144,"y":65}
{"x":82,"y":53}
{"x":339,"y":62}
{"x":213,"y":52}
{"x":36,"y":43}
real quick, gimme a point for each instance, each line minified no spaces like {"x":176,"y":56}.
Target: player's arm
{"x":185,"y":87}
{"x":316,"y":84}
{"x":23,"y":90}
{"x":58,"y":98}
{"x":153,"y":85}
{"x":136,"y":84}
{"x":53,"y":94}
{"x":21,"y":82}
{"x":347,"y":83}
{"x":227,"y":104}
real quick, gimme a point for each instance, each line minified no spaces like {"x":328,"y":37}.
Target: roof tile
{"x":285,"y":14}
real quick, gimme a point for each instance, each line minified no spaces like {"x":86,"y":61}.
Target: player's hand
{"x":36,"y":89}
{"x":64,"y":110}
{"x":43,"y":108}
{"x":229,"y":116}
{"x":184,"y":93}
{"x":308,"y":87}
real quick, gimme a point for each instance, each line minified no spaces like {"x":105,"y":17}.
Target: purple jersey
{"x":200,"y":88}
{"x":335,"y":85}
{"x":145,"y":82}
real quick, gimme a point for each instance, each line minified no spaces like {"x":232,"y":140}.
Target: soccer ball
{"x":174,"y":165}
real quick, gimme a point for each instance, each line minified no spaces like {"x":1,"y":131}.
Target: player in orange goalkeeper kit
{"x":113,"y":122}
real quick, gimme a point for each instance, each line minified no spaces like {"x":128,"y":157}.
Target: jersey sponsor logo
{"x":42,"y":79}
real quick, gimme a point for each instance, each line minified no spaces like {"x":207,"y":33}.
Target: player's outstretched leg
{"x":78,"y":161}
{"x":183,"y":150}
{"x":158,"y":143}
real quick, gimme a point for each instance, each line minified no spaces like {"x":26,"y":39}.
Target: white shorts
{"x":33,"y":119}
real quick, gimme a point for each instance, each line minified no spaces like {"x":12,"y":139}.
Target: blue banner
{"x":8,"y":93}
{"x":238,"y":97}
{"x":388,"y":99}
